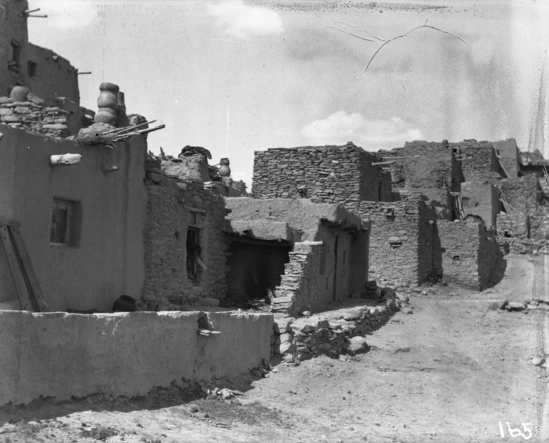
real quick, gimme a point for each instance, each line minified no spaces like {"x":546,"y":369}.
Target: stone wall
{"x":295,"y":340}
{"x":125,"y":354}
{"x":169,"y":208}
{"x":330,"y":174}
{"x":479,"y":161}
{"x":522,"y":194}
{"x":35,"y":118}
{"x":329,"y":260}
{"x":424,"y":165}
{"x":521,"y":233}
{"x":470,"y":253}
{"x":401,"y":241}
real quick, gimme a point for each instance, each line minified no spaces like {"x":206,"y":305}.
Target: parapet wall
{"x":66,"y":355}
{"x":325,"y":174}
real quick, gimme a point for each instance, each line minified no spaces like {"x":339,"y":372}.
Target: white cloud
{"x":243,"y":21}
{"x":340,"y":127}
{"x":66,"y":14}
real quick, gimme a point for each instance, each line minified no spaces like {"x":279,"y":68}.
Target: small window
{"x":15,"y":60}
{"x":60,"y":231}
{"x":32,"y":68}
{"x":193,"y":254}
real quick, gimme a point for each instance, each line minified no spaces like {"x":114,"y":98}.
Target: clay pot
{"x":106,"y":115}
{"x":124,"y":303}
{"x":224,"y":169}
{"x":19,"y":93}
{"x":108,"y":97}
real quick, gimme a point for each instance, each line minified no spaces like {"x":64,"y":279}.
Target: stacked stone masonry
{"x":35,"y":118}
{"x":170,"y":205}
{"x":331,"y":174}
{"x":470,"y":253}
{"x":401,"y":241}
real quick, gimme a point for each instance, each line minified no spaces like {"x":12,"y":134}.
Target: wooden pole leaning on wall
{"x":25,"y":282}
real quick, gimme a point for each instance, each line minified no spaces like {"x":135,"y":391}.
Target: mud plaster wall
{"x":481,"y":198}
{"x":168,"y":212}
{"x":104,"y":257}
{"x":331,"y":174}
{"x":401,"y":240}
{"x":509,"y":156}
{"x":53,"y":76}
{"x":300,"y":214}
{"x":62,"y":355}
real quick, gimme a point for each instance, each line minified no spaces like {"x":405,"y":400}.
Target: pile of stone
{"x":528,"y":305}
{"x":28,"y":113}
{"x":333,"y":333}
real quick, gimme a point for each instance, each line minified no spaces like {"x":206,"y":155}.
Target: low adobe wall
{"x":63,"y":355}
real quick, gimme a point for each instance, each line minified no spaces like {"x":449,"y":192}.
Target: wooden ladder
{"x":24,"y":279}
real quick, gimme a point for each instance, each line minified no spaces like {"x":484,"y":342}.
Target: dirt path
{"x":449,"y":372}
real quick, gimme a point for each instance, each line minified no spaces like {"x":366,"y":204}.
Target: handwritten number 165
{"x":517,"y":432}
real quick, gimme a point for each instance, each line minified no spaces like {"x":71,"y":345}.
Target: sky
{"x":239,"y":76}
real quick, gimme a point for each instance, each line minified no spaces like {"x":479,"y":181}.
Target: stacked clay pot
{"x":224,"y":168}
{"x":107,"y":104}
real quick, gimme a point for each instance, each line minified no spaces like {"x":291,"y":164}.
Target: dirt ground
{"x":449,"y":372}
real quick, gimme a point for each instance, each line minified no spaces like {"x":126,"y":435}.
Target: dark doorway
{"x":193,"y":254}
{"x":335,"y":269}
{"x":255,"y":266}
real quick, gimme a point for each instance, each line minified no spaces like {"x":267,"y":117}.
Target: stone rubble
{"x":332,"y":333}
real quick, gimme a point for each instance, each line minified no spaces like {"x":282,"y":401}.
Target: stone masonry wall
{"x":35,"y":118}
{"x":426,"y":165}
{"x":470,"y":253}
{"x":400,"y":241}
{"x":521,"y":193}
{"x":166,"y":281}
{"x":331,"y":174}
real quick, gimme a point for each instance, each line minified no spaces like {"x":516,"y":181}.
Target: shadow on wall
{"x":436,"y":268}
{"x":498,"y":272}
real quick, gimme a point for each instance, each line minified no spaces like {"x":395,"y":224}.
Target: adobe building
{"x":303,"y":255}
{"x":360,"y":182}
{"x":45,"y":73}
{"x":413,"y":198}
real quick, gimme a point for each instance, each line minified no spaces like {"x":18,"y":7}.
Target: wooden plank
{"x":33,"y":286}
{"x":18,"y":279}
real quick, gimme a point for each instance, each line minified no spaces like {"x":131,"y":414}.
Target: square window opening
{"x":32,"y":68}
{"x":63,"y":230}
